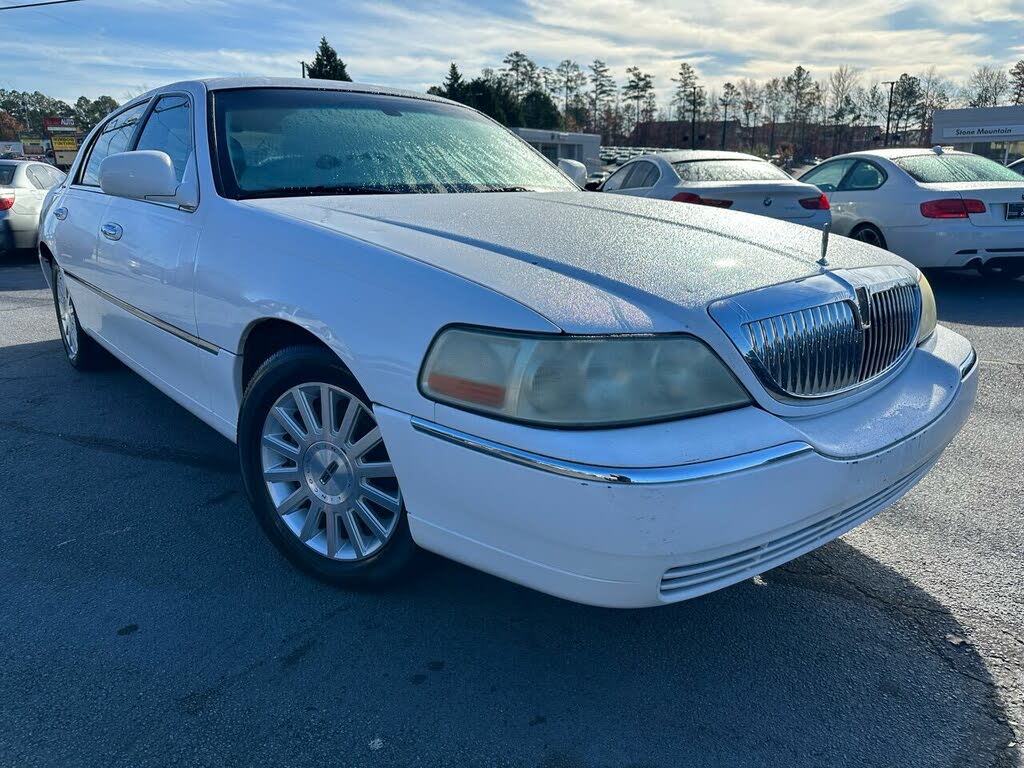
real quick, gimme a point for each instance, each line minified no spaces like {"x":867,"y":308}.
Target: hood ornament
{"x":823,"y":261}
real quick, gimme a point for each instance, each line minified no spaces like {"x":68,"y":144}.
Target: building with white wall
{"x":558,"y":145}
{"x":996,"y":132}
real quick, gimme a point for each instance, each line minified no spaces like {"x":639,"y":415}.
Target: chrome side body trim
{"x":968,"y":365}
{"x":155,"y":321}
{"x":614,"y":475}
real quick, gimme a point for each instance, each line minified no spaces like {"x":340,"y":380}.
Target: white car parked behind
{"x":730,"y":180}
{"x":23,"y":187}
{"x":934,"y":207}
{"x":420,"y":333}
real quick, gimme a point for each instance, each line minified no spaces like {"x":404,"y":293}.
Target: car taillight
{"x":6,"y":200}
{"x":819,"y":203}
{"x":951,"y":208}
{"x":689,"y":197}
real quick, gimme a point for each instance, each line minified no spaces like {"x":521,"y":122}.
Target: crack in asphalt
{"x":135,"y":451}
{"x":994,"y":703}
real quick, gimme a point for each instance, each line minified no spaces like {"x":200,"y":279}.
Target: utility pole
{"x":303,"y":69}
{"x":725,"y":121}
{"x":888,"y":114}
{"x":693,"y":120}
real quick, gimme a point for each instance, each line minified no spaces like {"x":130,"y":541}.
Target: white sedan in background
{"x":934,"y":207}
{"x":730,"y":180}
{"x":420,"y":333}
{"x":23,"y":187}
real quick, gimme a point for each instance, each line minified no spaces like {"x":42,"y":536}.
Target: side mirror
{"x":148,"y":174}
{"x":575,"y":170}
{"x":138,"y":175}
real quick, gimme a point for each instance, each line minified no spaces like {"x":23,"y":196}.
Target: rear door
{"x":861,"y":195}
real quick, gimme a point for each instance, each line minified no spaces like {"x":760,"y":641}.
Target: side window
{"x":38,"y":176}
{"x":615,"y":180}
{"x":644,"y":175}
{"x":56,"y":176}
{"x":864,"y":176}
{"x":169,"y":129}
{"x":114,"y":137}
{"x":827,"y":176}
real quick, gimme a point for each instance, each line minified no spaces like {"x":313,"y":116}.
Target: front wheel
{"x":870,"y":234}
{"x":317,"y":473}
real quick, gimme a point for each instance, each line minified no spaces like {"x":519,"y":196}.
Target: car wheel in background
{"x":870,"y":234}
{"x":1003,"y":269}
{"x":82,"y":352}
{"x":317,"y":473}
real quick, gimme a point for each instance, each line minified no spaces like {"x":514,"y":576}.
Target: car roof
{"x":685,"y":155}
{"x":233,"y":83}
{"x":898,"y":152}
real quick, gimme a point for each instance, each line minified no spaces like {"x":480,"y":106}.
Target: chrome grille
{"x":832,"y":347}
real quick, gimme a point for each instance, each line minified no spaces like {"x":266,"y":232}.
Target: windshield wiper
{"x":321,"y":190}
{"x":508,"y":189}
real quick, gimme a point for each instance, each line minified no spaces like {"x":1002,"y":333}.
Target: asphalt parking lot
{"x":145,"y":619}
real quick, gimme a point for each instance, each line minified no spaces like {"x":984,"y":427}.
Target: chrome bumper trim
{"x":967,"y":366}
{"x":682,"y":473}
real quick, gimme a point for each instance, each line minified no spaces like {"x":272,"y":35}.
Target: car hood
{"x":588,"y":262}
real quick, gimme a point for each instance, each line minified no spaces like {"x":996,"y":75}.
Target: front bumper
{"x":647,"y":535}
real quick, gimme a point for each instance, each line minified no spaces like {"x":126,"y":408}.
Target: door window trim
{"x":151,"y":102}
{"x":842,"y":186}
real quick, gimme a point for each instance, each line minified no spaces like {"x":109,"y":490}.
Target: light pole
{"x":693,"y":120}
{"x":303,"y":69}
{"x":888,"y":114}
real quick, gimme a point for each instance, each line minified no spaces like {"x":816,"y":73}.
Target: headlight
{"x":929,"y":316}
{"x":577,"y":381}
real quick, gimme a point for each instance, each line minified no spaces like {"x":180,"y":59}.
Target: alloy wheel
{"x":870,"y":236}
{"x":327,"y":472}
{"x":66,"y":312}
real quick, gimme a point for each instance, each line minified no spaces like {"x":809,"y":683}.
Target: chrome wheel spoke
{"x":281,"y":474}
{"x":279,"y":446}
{"x":305,"y":411}
{"x":291,"y":426}
{"x":355,"y":536}
{"x":365,"y":443}
{"x":314,"y":447}
{"x":311,"y":525}
{"x":372,"y":521}
{"x":348,"y":421}
{"x":291,"y":502}
{"x":377,"y":496}
{"x":375,"y":469}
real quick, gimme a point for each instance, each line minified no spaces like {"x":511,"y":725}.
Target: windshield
{"x":728,"y":170}
{"x":7,"y":174}
{"x":941,"y":169}
{"x":275,"y":142}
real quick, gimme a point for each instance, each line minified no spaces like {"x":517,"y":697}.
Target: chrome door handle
{"x":112,"y":231}
{"x":60,"y":213}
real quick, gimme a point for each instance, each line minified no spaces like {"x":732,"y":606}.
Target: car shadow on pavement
{"x":176,"y":616}
{"x":965,"y":296}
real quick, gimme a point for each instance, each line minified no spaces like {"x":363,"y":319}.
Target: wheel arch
{"x":265,"y":336}
{"x":46,"y":262}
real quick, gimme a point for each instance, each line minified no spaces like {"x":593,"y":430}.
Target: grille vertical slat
{"x":825,"y":349}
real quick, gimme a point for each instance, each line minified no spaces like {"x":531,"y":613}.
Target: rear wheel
{"x":317,"y":473}
{"x":82,"y":352}
{"x":1003,"y":269}
{"x":870,"y":234}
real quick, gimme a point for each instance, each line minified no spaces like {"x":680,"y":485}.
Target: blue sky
{"x":120,"y":47}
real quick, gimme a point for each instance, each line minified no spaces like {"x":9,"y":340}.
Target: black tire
{"x":1003,"y":269}
{"x":288,"y":368}
{"x":870,"y":234}
{"x":86,"y":354}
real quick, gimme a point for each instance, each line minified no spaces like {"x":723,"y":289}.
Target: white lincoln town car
{"x":421,"y":334}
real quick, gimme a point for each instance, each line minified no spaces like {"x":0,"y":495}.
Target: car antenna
{"x":823,"y":261}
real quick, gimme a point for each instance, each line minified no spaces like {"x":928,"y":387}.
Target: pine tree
{"x":326,"y":65}
{"x":1017,"y":83}
{"x":454,"y":86}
